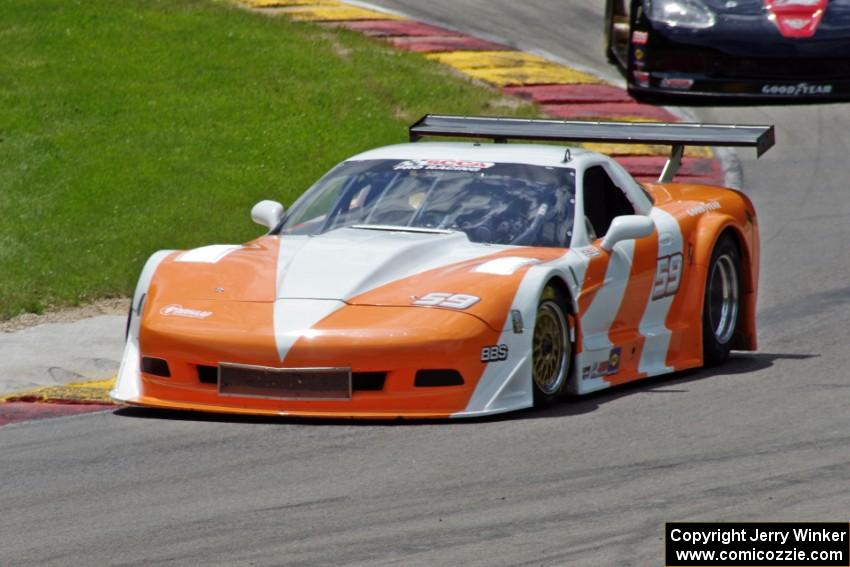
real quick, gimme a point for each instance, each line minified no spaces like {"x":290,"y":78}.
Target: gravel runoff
{"x":71,"y":345}
{"x":109,"y":306}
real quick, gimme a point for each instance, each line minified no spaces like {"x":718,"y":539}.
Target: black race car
{"x":743,"y":48}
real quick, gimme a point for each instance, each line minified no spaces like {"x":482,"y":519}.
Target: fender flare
{"x":127,"y":384}
{"x":141,"y":291}
{"x":710,"y":228}
{"x":514,"y":391}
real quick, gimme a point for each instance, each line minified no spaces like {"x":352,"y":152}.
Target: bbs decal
{"x":668,"y":276}
{"x":495,"y":353}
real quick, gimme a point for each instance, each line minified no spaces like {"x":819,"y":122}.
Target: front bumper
{"x":673,"y":65}
{"x":681,"y":84}
{"x":408,"y":340}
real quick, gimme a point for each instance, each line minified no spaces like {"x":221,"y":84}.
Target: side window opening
{"x":603,"y":200}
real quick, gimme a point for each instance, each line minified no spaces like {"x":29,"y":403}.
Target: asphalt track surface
{"x":590,"y":482}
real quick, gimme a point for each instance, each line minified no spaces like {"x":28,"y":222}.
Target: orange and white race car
{"x":456,"y":280}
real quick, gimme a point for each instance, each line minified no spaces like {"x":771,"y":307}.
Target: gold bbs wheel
{"x":551,"y":350}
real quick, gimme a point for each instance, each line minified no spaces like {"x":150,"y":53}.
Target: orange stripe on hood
{"x":496,"y":292}
{"x":246,"y":274}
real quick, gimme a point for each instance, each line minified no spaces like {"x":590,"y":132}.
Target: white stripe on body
{"x":316,"y":275}
{"x":600,"y":315}
{"x":211,"y":254}
{"x":652,"y":325}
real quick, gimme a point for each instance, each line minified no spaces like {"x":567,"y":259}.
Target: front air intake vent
{"x":332,"y":383}
{"x":368,"y":381}
{"x":438,"y":378}
{"x":360,"y":381}
{"x":208,"y":374}
{"x":155,"y":366}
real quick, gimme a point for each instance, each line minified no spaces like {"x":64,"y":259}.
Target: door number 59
{"x":668,"y":276}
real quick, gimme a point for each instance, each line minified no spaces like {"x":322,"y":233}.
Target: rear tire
{"x":551,"y":349}
{"x":609,"y":32}
{"x":722,"y":303}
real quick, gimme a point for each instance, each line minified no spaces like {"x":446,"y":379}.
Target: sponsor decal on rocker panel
{"x":603,"y":368}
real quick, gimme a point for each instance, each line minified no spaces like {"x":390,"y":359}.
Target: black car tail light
{"x":155,"y":366}
{"x":437,"y":378}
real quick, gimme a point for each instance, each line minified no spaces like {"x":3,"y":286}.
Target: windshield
{"x":497,"y":203}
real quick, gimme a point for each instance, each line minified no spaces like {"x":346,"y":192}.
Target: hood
{"x":772,"y":28}
{"x":475,"y":279}
{"x":763,"y":8}
{"x":338,"y":265}
{"x":348,"y":262}
{"x":220,"y":272}
{"x":358,"y":266}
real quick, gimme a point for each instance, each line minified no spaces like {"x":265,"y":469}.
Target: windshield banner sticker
{"x":443,"y":165}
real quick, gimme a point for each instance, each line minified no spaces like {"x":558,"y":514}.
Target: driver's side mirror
{"x":627,"y":227}
{"x":267,"y":213}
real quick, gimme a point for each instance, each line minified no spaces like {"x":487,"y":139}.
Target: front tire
{"x":551,"y":349}
{"x":722,"y":303}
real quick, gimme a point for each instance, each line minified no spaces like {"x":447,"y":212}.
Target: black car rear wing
{"x":500,"y":130}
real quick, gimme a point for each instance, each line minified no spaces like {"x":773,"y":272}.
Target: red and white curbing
{"x":559,"y":90}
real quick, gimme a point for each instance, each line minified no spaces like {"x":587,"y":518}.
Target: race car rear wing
{"x":500,"y":130}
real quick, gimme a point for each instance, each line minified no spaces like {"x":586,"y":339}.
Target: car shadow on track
{"x":205,"y":417}
{"x":208,"y":417}
{"x":737,"y":364}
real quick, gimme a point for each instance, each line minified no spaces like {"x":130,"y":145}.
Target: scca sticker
{"x":444,"y":165}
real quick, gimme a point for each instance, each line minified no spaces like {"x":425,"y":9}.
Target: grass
{"x":137,"y":125}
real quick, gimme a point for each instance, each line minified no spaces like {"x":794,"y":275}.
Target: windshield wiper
{"x":393,"y":228}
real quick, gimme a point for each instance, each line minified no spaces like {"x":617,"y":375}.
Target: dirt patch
{"x":403,"y":114}
{"x":507,"y":103}
{"x":111,"y":306}
{"x":340,"y":50}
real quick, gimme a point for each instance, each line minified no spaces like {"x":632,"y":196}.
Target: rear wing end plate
{"x":676,"y":135}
